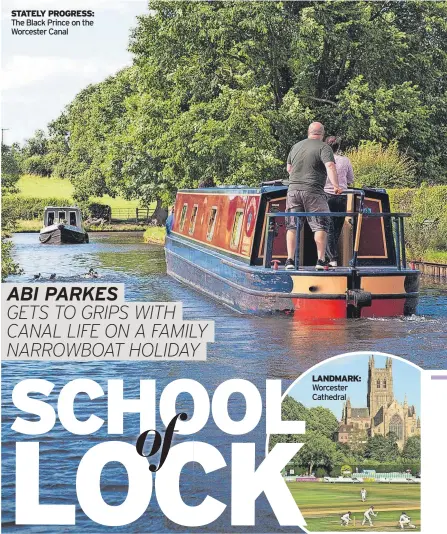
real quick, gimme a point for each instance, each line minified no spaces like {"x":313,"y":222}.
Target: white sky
{"x":42,"y":74}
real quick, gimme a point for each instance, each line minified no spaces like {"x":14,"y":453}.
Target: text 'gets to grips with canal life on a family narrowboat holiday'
{"x":81,"y":322}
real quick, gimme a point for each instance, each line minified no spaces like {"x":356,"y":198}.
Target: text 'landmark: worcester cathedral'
{"x":383,"y":414}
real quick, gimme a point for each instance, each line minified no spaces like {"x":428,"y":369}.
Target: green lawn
{"x":39,"y":187}
{"x":323,"y":504}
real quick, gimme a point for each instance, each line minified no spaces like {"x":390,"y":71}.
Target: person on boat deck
{"x":170,"y":221}
{"x":309,"y":164}
{"x":336,"y":202}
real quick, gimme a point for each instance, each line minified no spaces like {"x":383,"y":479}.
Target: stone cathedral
{"x":383,"y":413}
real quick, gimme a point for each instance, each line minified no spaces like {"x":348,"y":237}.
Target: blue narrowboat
{"x":230,"y":243}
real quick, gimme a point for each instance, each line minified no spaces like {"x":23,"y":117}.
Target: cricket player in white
{"x":363,"y":494}
{"x":405,"y":520}
{"x":367,"y":516}
{"x":345,"y":519}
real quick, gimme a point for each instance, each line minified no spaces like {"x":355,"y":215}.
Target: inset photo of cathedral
{"x":383,"y":412}
{"x":359,"y":468}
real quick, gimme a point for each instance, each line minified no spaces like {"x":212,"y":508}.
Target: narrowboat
{"x":230,"y":243}
{"x":62,"y":225}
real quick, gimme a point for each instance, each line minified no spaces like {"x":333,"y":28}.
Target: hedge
{"x":426,"y":229}
{"x":386,"y":467}
{"x":29,"y":208}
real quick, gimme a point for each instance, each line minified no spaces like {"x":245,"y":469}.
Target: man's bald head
{"x":315,"y":131}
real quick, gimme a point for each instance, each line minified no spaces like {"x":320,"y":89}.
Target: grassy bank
{"x":155,"y":235}
{"x":31,"y":186}
{"x":36,"y":225}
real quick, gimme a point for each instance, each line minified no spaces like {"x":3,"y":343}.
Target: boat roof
{"x":62,"y":208}
{"x":263,"y":188}
{"x":239,"y":189}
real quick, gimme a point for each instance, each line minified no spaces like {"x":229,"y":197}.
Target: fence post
{"x":136,"y":213}
{"x":268,"y":243}
{"x":402,"y":237}
{"x":297,"y":243}
{"x":397,"y":241}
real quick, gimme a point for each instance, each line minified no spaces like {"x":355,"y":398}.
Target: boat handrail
{"x":334,"y":214}
{"x":397,"y":219}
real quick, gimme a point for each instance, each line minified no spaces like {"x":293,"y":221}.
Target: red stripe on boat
{"x":384,"y":308}
{"x":307,"y":309}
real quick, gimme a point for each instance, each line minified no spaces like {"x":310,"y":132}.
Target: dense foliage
{"x":221,"y":90}
{"x":426,"y":229}
{"x":376,"y":165}
{"x":10,"y":175}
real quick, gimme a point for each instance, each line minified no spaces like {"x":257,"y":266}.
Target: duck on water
{"x":230,"y":242}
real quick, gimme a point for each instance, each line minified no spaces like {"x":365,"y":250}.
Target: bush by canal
{"x":155,"y":235}
{"x":426,"y":229}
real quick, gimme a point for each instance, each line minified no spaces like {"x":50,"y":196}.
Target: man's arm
{"x":289,"y":162}
{"x":332,"y":175}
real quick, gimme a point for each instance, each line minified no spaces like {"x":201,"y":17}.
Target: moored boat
{"x":62,"y":225}
{"x":230,"y":242}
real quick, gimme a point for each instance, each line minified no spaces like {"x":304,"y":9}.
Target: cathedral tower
{"x":380,"y":386}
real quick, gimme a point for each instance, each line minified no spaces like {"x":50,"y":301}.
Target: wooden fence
{"x":439,"y":270}
{"x":136,"y":215}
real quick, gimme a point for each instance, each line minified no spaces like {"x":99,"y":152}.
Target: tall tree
{"x":10,"y":176}
{"x":317,"y":451}
{"x":412,"y":448}
{"x":221,"y":90}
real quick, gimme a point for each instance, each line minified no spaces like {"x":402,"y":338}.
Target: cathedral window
{"x":378,"y":384}
{"x":384,"y":383}
{"x":396,"y":426}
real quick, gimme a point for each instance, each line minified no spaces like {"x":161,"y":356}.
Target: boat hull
{"x":306,"y":294}
{"x":62,"y":234}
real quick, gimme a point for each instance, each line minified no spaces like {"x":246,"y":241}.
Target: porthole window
{"x":183,"y":217}
{"x":237,"y":228}
{"x":211,"y":223}
{"x":192,"y":220}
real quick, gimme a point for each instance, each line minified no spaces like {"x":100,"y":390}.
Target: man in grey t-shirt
{"x":309,"y":164}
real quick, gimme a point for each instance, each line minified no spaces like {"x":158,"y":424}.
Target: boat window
{"x":50,"y":218}
{"x":183,"y":216}
{"x":192,"y":220}
{"x":237,"y":228}
{"x":62,"y":216}
{"x":73,"y":218}
{"x":211,"y":223}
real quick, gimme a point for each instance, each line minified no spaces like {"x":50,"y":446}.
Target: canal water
{"x":246,"y":347}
